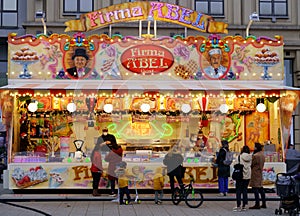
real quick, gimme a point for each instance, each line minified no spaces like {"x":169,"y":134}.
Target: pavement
{"x":37,"y":203}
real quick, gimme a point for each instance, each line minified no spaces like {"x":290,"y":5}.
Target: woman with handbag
{"x":173,"y":160}
{"x":241,"y":185}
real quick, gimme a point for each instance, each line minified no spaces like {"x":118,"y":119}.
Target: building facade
{"x":280,"y":17}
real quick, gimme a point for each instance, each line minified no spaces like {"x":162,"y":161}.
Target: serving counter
{"x":77,"y":175}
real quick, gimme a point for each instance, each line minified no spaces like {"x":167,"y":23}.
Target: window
{"x":210,"y":7}
{"x":78,"y":6}
{"x":8,"y":13}
{"x":273,"y":8}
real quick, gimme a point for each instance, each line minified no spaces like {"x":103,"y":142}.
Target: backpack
{"x":228,"y":158}
{"x":238,"y":171}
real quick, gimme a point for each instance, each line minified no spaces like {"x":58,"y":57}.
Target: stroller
{"x":288,"y":190}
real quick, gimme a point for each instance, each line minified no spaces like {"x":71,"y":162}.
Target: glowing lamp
{"x":145,"y":107}
{"x":224,"y":108}
{"x":186,"y":108}
{"x":33,"y":106}
{"x":71,"y":107}
{"x":108,"y":108}
{"x":261,"y":107}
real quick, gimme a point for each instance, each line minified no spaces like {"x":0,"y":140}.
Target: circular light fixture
{"x":186,"y":108}
{"x":145,"y":107}
{"x":108,"y":108}
{"x":224,"y":108}
{"x":33,"y":106}
{"x":261,"y":107}
{"x":71,"y":107}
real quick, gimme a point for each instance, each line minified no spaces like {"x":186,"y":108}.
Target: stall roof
{"x":200,"y":85}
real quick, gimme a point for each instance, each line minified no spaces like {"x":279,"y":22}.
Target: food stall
{"x":151,"y":92}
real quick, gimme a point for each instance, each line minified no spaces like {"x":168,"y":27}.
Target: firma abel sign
{"x":134,"y":11}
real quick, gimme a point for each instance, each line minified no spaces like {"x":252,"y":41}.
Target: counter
{"x":71,"y":175}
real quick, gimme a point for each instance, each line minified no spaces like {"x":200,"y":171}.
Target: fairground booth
{"x":151,"y":92}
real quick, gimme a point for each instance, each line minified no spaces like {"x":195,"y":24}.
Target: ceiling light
{"x":145,"y":107}
{"x":33,"y":106}
{"x":71,"y":107}
{"x":186,"y":108}
{"x":224,"y":108}
{"x":108,"y":108}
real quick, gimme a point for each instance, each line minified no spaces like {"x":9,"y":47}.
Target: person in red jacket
{"x":96,"y":168}
{"x":113,"y":158}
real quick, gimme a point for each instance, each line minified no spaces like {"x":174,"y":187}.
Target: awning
{"x":144,"y":85}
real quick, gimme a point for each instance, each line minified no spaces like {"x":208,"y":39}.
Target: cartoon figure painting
{"x":216,"y":69}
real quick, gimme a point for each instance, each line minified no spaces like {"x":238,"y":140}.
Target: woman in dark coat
{"x":173,"y":160}
{"x":257,"y":165}
{"x":113,"y":158}
{"x":223,"y":170}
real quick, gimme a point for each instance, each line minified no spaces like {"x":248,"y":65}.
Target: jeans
{"x":96,"y":179}
{"x":123,"y":191}
{"x":172,"y":181}
{"x":258,"y":191}
{"x":113,"y":185}
{"x":241,"y":188}
{"x":223,"y":184}
{"x":160,"y":193}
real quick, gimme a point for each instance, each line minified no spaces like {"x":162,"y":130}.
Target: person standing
{"x":158,"y":185}
{"x":245,"y":158}
{"x":108,"y":139}
{"x":113,"y":158}
{"x":223,"y":170}
{"x":123,"y":180}
{"x":257,"y":165}
{"x":173,"y":160}
{"x":96,"y":168}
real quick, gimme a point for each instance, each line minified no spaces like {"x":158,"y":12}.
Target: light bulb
{"x":108,"y":108}
{"x":71,"y":107}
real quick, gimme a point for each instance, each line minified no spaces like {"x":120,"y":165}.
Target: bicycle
{"x":193,"y":198}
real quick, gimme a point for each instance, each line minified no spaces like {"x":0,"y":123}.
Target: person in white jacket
{"x":242,"y":185}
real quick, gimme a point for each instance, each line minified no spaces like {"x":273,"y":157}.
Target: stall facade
{"x":151,"y":92}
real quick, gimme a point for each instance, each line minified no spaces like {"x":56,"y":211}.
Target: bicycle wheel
{"x":194,"y":198}
{"x":176,"y":196}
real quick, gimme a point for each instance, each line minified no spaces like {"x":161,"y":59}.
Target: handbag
{"x":238,"y":168}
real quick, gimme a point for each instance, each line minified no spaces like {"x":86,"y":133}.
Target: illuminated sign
{"x":147,"y":59}
{"x":134,"y":11}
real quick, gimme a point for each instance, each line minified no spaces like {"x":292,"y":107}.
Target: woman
{"x":245,"y":158}
{"x":223,"y":170}
{"x":173,"y":161}
{"x":257,"y":165}
{"x":96,"y":168}
{"x":113,"y":158}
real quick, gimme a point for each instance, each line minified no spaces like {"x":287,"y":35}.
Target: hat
{"x":214,"y":51}
{"x":80,"y":52}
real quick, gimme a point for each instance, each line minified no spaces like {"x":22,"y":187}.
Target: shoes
{"x":112,"y":195}
{"x":157,"y":203}
{"x":255,"y":207}
{"x":263,"y":206}
{"x":225,"y":194}
{"x":221,"y":195}
{"x":237,"y":209}
{"x":244,"y":208}
{"x":95,"y":192}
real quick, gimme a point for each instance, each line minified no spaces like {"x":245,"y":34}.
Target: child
{"x":158,"y":185}
{"x":123,"y":182}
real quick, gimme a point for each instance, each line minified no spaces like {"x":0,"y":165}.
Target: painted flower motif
{"x":182,"y":51}
{"x":111,"y":51}
{"x":104,"y":45}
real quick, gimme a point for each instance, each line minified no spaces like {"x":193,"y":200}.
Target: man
{"x":257,"y":165}
{"x":80,"y":59}
{"x":106,"y":140}
{"x":223,"y":170}
{"x":215,"y":70}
